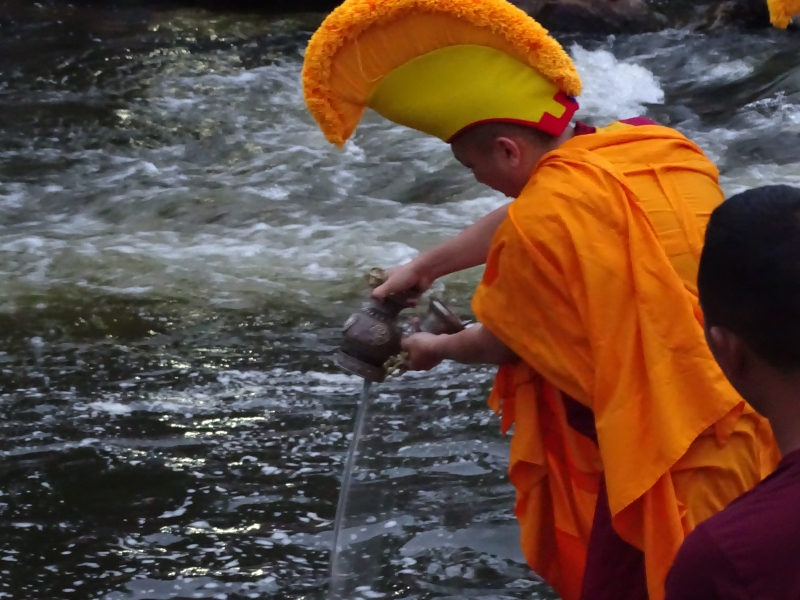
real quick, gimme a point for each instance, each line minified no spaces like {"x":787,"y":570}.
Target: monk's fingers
{"x":422,"y":350}
{"x":404,"y":282}
{"x":416,"y":324}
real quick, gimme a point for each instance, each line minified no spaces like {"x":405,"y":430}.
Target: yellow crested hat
{"x":782,"y":11}
{"x":438,"y":66}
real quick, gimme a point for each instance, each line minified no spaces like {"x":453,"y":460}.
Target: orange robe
{"x":591,"y":280}
{"x":782,"y":11}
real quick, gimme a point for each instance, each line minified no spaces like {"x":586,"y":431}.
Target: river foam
{"x":237,"y":194}
{"x":221,"y":205}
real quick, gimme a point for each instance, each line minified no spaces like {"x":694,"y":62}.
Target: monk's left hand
{"x":424,"y":351}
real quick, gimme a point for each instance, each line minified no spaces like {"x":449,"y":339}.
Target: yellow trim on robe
{"x":591,"y":281}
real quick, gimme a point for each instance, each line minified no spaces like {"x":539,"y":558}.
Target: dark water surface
{"x":178,"y":248}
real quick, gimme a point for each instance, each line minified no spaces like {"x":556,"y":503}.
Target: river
{"x":178,"y":249}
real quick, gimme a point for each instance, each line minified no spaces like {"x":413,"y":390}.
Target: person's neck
{"x":568,"y":134}
{"x":786,"y":430}
{"x":541,"y":151}
{"x":783,"y":413}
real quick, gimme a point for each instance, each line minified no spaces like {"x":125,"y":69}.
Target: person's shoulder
{"x":779,"y":490}
{"x":702,"y":571}
{"x":754,"y":542}
{"x":699,"y":547}
{"x":696,"y":560}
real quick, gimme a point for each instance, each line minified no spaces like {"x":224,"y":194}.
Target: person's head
{"x":749,"y":286}
{"x":503,"y":155}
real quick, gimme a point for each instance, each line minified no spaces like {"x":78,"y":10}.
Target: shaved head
{"x":482,"y":136}
{"x":503,"y":155}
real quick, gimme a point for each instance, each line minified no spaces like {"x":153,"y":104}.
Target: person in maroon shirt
{"x":749,"y":285}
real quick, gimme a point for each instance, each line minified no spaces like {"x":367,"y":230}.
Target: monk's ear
{"x":731,"y":353}
{"x":508,"y":151}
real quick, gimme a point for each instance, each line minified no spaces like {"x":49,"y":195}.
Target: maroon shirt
{"x":750,"y":550}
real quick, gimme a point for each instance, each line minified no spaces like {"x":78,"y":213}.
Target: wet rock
{"x":633,"y":16}
{"x":563,"y":16}
{"x":746,"y":13}
{"x":268,"y":7}
{"x":779,"y":148}
{"x":273,"y":6}
{"x":707,"y":15}
{"x":593,"y":16}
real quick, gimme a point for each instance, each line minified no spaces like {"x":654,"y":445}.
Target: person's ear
{"x":731,"y":353}
{"x":508,"y":151}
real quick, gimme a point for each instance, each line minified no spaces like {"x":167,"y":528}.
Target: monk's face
{"x":502,"y":163}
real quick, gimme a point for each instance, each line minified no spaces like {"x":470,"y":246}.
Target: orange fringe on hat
{"x":781,"y":11}
{"x":354,"y":17}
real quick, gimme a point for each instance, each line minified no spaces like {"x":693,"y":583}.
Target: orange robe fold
{"x":782,"y":11}
{"x":591,"y":281}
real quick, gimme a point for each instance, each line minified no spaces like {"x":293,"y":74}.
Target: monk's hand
{"x":425,"y":351}
{"x":408,"y":280}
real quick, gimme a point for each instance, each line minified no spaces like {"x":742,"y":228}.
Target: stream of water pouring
{"x":337,"y":573}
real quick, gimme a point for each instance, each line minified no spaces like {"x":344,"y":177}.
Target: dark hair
{"x":749,"y":279}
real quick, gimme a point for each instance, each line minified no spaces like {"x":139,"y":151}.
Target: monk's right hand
{"x":408,"y":280}
{"x":424,"y":350}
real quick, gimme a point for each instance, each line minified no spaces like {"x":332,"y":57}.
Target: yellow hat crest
{"x":782,"y":11}
{"x":438,"y":66}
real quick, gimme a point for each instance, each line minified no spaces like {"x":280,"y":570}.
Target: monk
{"x":589,"y":293}
{"x":626,"y":433}
{"x":749,"y":286}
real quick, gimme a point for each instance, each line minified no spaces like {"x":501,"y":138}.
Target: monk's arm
{"x":475,"y":345}
{"x":468,"y":249}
